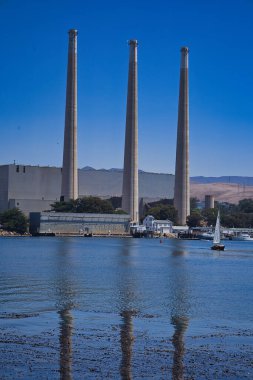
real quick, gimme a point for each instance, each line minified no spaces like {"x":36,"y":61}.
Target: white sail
{"x":216,"y":238}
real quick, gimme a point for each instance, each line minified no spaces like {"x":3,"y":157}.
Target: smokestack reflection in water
{"x":65,"y":294}
{"x":126,"y":342}
{"x":179,"y":310}
{"x":180,"y":324}
{"x":65,"y":344}
{"x":127,"y":287}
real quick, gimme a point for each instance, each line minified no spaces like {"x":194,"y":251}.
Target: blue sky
{"x":33,"y":79}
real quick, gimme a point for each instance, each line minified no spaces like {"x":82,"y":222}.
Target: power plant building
{"x":35,"y":188}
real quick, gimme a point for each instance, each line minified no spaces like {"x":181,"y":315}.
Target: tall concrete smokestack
{"x":130,"y":197}
{"x":182,"y":184}
{"x":69,"y":187}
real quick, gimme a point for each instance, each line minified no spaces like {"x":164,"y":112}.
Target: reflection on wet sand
{"x":126,"y":342}
{"x":65,"y":304}
{"x":179,"y":311}
{"x":65,"y":344}
{"x":180,"y":324}
{"x":127,"y":295}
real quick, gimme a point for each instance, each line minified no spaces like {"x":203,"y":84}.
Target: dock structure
{"x":130,"y":197}
{"x":69,"y":185}
{"x":182,"y":183}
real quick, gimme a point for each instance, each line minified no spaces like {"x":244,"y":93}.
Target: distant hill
{"x":154,"y":186}
{"x":225,"y":192}
{"x":117,"y":170}
{"x":247,"y":181}
{"x":240,"y":180}
{"x":87,"y":168}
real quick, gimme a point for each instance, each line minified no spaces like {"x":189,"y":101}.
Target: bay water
{"x":122,"y":308}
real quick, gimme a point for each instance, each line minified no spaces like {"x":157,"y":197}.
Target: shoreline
{"x":4,"y":233}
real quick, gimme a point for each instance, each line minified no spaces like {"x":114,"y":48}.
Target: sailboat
{"x":216,"y":239}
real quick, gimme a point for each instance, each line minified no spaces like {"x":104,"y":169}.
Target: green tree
{"x":164,"y":201}
{"x":93,"y":205}
{"x":63,"y":206}
{"x":193,"y":203}
{"x":195,"y":219}
{"x":226,"y":208}
{"x":154,"y":211}
{"x":85,"y":204}
{"x":14,"y":220}
{"x":120,"y":211}
{"x":151,"y":205}
{"x":163,"y":212}
{"x":115,"y":202}
{"x":246,"y":205}
{"x":210,"y":216}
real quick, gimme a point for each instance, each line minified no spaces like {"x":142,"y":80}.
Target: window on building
{"x":17,"y":169}
{"x":23,"y":169}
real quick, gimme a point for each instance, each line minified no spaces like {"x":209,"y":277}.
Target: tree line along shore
{"x":13,"y":222}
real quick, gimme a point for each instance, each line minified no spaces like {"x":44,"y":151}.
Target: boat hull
{"x":243,"y":236}
{"x":218,"y":247}
{"x":242,"y":239}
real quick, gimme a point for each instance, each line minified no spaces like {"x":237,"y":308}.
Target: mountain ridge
{"x":239,"y":180}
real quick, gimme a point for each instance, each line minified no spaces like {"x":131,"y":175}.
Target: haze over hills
{"x":240,"y":180}
{"x":107,"y":182}
{"x":118,"y":170}
{"x":223,"y":192}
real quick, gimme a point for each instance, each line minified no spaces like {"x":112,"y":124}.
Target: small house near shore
{"x":157,"y":226}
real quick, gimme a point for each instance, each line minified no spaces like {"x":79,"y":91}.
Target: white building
{"x":180,"y":229}
{"x":136,"y":228}
{"x":157,"y":226}
{"x":60,"y":223}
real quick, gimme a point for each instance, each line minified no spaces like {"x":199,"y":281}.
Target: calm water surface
{"x":98,"y":308}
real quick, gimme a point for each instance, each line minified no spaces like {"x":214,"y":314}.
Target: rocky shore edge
{"x":12,"y":233}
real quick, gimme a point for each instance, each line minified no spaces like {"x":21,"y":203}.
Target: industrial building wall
{"x":103,"y":183}
{"x":79,"y":224}
{"x":34,"y":188}
{"x":107,"y":183}
{"x":34,"y":182}
{"x":31,"y":205}
{"x":4,"y":170}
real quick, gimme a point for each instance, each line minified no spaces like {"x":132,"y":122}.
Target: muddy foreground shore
{"x":119,"y":352}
